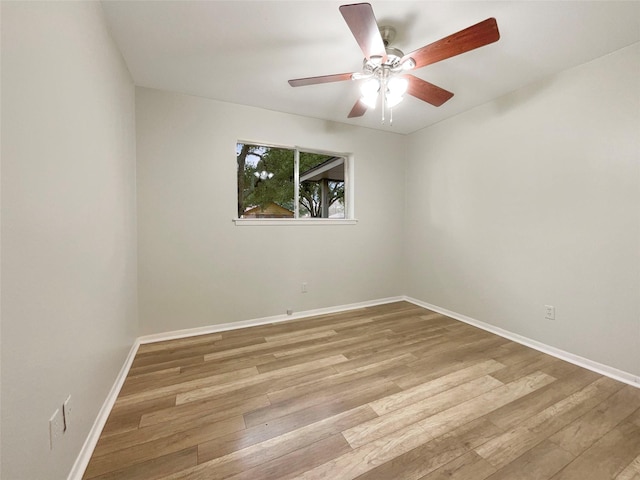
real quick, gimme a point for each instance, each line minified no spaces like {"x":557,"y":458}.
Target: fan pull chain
{"x":382,"y":100}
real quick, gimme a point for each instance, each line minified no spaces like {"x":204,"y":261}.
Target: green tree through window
{"x":266,"y":183}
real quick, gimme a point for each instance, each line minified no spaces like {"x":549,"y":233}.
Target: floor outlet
{"x":56,"y":428}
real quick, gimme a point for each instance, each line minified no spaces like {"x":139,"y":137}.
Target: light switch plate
{"x":56,"y":428}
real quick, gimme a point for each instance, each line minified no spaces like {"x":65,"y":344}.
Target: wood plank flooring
{"x":387,"y":392}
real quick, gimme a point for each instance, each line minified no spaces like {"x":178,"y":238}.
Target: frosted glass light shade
{"x":397,"y":86}
{"x":393,"y":100}
{"x":370,"y":87}
{"x":370,"y":100}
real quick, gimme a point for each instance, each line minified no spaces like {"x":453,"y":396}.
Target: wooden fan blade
{"x":363,"y":26}
{"x":358,"y":110}
{"x":338,"y":77}
{"x":476,"y":36}
{"x":427,"y":92}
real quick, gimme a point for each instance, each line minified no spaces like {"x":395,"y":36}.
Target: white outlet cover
{"x":67,"y":413}
{"x":550,"y":312}
{"x":56,"y":428}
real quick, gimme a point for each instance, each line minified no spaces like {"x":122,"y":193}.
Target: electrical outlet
{"x":56,"y":428}
{"x":66,"y":413}
{"x":549,"y":312}
{"x":304,"y":287}
{"x":289,"y":311}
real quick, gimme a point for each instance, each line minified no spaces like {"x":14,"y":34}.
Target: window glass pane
{"x":265,"y":181}
{"x":321,"y":186}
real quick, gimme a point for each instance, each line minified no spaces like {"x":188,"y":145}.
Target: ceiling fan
{"x":385,"y":69}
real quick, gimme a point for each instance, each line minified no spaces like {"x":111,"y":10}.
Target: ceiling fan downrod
{"x":386,"y":82}
{"x":387,"y":65}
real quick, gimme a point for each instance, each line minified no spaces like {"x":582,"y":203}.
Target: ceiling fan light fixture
{"x":370,"y":87}
{"x":397,"y":86}
{"x":360,"y":75}
{"x":394,"y":56}
{"x":408,"y":64}
{"x":383,"y":68}
{"x":370,"y":100}
{"x":393,"y":100}
{"x":375,"y":60}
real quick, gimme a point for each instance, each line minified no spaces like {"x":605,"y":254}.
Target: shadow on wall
{"x":515,"y":100}
{"x":329,"y":126}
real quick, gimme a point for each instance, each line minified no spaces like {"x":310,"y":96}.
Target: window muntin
{"x":280,"y":182}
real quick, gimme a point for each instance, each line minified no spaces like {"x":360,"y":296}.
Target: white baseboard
{"x":82,"y":461}
{"x":600,"y":368}
{"x":190,"y":332}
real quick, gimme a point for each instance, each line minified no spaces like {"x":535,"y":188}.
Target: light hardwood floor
{"x":387,"y":392}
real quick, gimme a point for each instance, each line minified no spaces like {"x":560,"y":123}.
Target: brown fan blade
{"x":358,"y":110}
{"x":338,"y":77}
{"x":427,"y":92}
{"x":363,"y":25}
{"x":476,"y":36}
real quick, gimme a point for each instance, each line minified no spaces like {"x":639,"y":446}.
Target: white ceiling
{"x":244,"y":52}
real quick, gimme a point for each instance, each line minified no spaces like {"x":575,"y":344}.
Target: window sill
{"x":293,"y":221}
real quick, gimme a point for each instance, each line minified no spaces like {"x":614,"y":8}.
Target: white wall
{"x":534,"y":199}
{"x":530,"y":200}
{"x":196,"y":267}
{"x":68,"y":227}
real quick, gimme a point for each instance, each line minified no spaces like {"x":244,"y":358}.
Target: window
{"x":290,"y":183}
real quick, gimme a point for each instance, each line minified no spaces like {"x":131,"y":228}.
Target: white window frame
{"x":349,"y":209}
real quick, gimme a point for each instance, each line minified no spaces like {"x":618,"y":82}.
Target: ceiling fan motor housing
{"x":394,"y":55}
{"x":386,"y":68}
{"x":388,"y":34}
{"x":373,"y":63}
